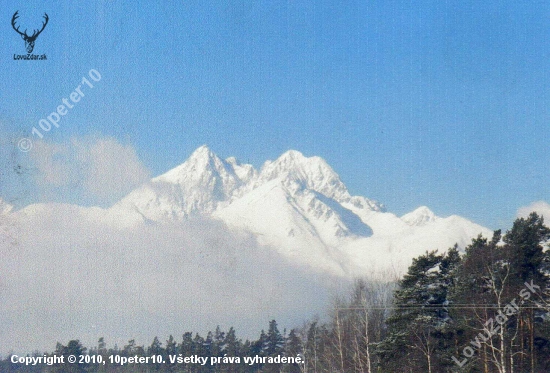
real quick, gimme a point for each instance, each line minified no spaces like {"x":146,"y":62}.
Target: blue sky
{"x":436,"y":103}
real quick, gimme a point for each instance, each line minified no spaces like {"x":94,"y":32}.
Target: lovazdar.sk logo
{"x":29,"y":39}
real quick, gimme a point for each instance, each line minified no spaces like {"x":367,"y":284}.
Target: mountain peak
{"x":292,"y":154}
{"x":310,"y":172}
{"x":197,"y":186}
{"x":202,"y":152}
{"x":201,"y":160}
{"x":420,"y":216}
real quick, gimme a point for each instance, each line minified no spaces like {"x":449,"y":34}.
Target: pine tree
{"x":187,"y":348}
{"x":274,"y":341}
{"x":524,"y":245}
{"x":199,"y":349}
{"x":417,"y":329}
{"x":273,"y":346}
{"x":101,"y":346}
{"x":293,"y":348}
{"x":171,"y":349}
{"x":471,"y":290}
{"x":232,"y":348}
{"x":525,"y":253}
{"x":209,"y":349}
{"x":218,"y":342}
{"x":156,"y":349}
{"x":259,"y":347}
{"x":75,"y":348}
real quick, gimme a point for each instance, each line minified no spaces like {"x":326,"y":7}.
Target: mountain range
{"x":295,"y":205}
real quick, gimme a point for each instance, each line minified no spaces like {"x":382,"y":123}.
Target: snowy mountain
{"x":294,"y":205}
{"x":420,"y":216}
{"x":199,"y":186}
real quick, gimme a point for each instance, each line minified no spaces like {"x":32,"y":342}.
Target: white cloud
{"x":98,"y":170}
{"x":15,"y":180}
{"x":113,"y":168}
{"x":540,"y":207}
{"x":71,"y":276}
{"x":51,"y":163}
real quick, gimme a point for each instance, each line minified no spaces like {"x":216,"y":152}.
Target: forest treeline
{"x":486,"y":310}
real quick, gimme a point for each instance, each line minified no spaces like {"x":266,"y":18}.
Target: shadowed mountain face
{"x":353,"y":222}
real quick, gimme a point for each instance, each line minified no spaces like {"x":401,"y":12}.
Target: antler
{"x":29,"y":40}
{"x":14,"y":18}
{"x":36,"y":33}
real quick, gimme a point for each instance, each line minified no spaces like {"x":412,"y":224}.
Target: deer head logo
{"x":29,"y":40}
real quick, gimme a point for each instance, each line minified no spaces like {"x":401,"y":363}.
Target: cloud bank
{"x":67,"y":273}
{"x":99,"y":170}
{"x":70,"y":276}
{"x":540,"y":207}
